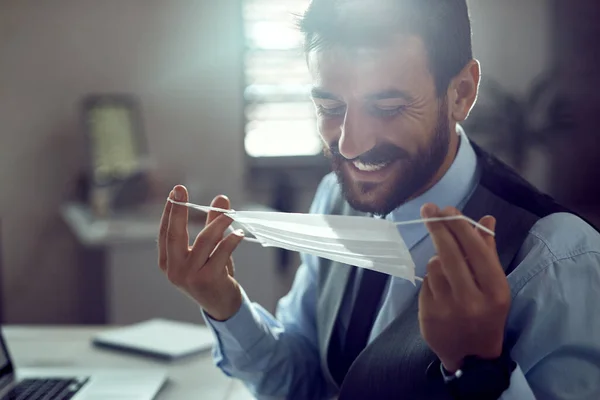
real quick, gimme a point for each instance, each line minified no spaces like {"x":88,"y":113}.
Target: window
{"x":280,"y":118}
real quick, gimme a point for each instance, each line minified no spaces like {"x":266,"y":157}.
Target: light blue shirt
{"x":555,"y":308}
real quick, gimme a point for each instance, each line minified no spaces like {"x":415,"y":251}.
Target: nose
{"x":356,"y":137}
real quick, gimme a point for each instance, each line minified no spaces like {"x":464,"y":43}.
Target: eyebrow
{"x":319,"y":93}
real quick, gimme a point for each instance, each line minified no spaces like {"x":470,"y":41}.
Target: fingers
{"x":208,"y":239}
{"x":225,"y":249}
{"x":488,"y":277}
{"x":471,"y":242}
{"x":162,"y":235}
{"x":479,"y":248}
{"x":453,"y":263}
{"x":426,"y":298}
{"x":438,"y":283}
{"x":220,"y":201}
{"x":177,"y":234}
{"x":489,"y":222}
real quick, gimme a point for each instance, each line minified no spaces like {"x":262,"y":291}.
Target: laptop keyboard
{"x":45,"y":389}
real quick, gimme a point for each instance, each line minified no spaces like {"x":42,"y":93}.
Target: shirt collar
{"x":453,"y":189}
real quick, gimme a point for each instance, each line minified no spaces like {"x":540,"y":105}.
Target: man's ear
{"x":462,"y":92}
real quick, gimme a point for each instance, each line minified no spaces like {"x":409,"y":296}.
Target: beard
{"x":413,"y":171}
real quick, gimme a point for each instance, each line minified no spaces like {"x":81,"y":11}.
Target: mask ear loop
{"x":206,"y":209}
{"x":202,"y":208}
{"x":456,"y":217}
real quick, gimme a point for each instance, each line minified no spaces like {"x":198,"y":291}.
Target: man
{"x":509,"y":316}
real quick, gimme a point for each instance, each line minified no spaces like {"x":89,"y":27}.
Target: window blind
{"x":280,"y":118}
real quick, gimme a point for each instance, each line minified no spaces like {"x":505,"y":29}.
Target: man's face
{"x":383,"y":127}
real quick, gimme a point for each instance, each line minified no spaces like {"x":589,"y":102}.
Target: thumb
{"x":221,"y":201}
{"x":222,"y":254}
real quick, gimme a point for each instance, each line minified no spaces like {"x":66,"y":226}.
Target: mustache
{"x":382,"y":154}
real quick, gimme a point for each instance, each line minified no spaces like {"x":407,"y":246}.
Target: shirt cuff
{"x":242,"y":331}
{"x":518,"y":390}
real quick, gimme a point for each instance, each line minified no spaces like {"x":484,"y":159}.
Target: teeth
{"x":369,"y":167}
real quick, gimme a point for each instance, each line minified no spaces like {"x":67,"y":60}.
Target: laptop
{"x":76,"y":384}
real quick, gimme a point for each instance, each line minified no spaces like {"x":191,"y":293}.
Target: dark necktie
{"x":362,"y":317}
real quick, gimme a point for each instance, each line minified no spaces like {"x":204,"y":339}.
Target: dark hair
{"x":443,"y":25}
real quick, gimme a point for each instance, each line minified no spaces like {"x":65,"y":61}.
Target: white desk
{"x":192,"y":378}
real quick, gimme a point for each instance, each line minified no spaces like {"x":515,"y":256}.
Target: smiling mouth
{"x":369,"y":167}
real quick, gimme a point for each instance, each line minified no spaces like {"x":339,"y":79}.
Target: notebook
{"x":164,"y":339}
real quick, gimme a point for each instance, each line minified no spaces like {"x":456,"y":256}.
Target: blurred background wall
{"x":576,"y":56}
{"x":184,"y":60}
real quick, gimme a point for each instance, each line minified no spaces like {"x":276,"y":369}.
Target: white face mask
{"x":363,"y":242}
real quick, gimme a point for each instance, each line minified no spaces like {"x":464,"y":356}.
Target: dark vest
{"x":398,"y":363}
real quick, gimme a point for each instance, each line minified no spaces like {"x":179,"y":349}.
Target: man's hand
{"x":465,"y":297}
{"x":204,"y":271}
